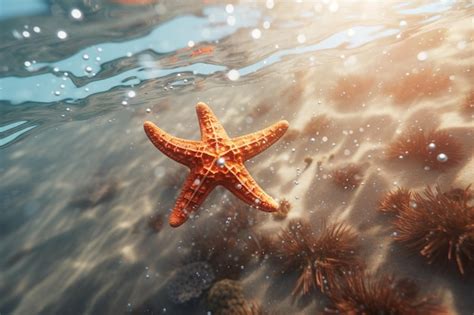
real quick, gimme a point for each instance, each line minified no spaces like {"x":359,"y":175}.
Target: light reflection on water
{"x":79,"y":179}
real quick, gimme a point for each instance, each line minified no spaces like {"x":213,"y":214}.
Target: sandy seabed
{"x":78,"y":197}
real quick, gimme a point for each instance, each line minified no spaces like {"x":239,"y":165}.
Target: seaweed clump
{"x":435,"y":149}
{"x":440,"y":226}
{"x":320,"y":259}
{"x":226,"y":297}
{"x":363,"y":293}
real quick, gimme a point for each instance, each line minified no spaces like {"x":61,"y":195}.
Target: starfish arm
{"x":252,"y":144}
{"x":242,"y":185}
{"x":195,"y":189}
{"x":211,"y":128}
{"x":180,"y":150}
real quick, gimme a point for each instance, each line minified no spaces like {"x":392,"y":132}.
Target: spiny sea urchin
{"x":435,"y":149}
{"x":394,"y":201}
{"x":320,"y":259}
{"x":362,"y":294}
{"x":439,"y":227}
{"x":348,"y":177}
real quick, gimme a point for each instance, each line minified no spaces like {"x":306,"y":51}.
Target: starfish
{"x":215,"y":160}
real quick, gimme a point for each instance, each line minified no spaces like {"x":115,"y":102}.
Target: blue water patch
{"x":13,"y":136}
{"x":434,"y":7}
{"x":14,"y":8}
{"x":168,"y":37}
{"x":12,"y":125}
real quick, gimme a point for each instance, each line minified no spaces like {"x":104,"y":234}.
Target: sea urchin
{"x":435,"y":149}
{"x":320,"y":259}
{"x":439,"y":226}
{"x":394,"y":201}
{"x":362,"y":293}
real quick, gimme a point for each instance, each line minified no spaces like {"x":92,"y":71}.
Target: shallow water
{"x":80,"y":180}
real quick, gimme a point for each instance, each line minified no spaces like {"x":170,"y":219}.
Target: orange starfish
{"x":215,"y":160}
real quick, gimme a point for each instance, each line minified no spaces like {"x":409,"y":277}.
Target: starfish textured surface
{"x":215,"y":160}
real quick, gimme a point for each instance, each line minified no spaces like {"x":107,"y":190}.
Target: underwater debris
{"x":316,"y":125}
{"x":363,"y":293}
{"x":394,"y":201}
{"x":156,"y":222}
{"x":320,"y":259}
{"x":435,"y":149}
{"x":283,"y":210}
{"x":348,"y":177}
{"x":226,"y":297}
{"x":189,"y":282}
{"x":308,"y":161}
{"x":440,"y":227}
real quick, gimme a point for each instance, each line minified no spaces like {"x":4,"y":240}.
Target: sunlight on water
{"x":377,"y":159}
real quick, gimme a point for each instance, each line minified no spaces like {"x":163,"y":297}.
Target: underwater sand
{"x":78,"y":189}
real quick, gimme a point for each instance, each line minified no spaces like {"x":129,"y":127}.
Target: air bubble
{"x":301,"y":38}
{"x":76,"y":14}
{"x":256,"y":33}
{"x":442,"y":158}
{"x":422,"y":56}
{"x":62,"y":34}
{"x":233,"y":75}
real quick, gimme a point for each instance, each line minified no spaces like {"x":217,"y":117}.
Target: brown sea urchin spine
{"x":439,"y":227}
{"x":394,"y":201}
{"x":435,"y":149}
{"x":362,"y":293}
{"x":320,"y":259}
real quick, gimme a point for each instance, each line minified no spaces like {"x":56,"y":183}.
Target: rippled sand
{"x":78,"y":192}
